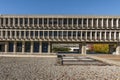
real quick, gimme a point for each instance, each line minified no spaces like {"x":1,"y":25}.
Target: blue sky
{"x":69,"y":7}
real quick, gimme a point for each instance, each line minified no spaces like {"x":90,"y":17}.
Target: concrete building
{"x":35,"y":34}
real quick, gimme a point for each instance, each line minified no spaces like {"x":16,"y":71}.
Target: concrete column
{"x":117,"y":49}
{"x":90,"y":35}
{"x":97,"y":23}
{"x":43,"y":37}
{"x":4,"y":22}
{"x":112,"y":23}
{"x":37,"y":21}
{"x":71,"y":34}
{"x":110,"y":35}
{"x":76,"y":34}
{"x":82,"y":22}
{"x":6,"y":34}
{"x":102,"y":23}
{"x":0,"y":21}
{"x":28,"y":22}
{"x":72,"y":22}
{"x":24,"y":34}
{"x":62,"y":22}
{"x":117,"y":23}
{"x":67,"y":22}
{"x":100,"y":35}
{"x":23,"y":21}
{"x":119,"y":35}
{"x":83,"y":49}
{"x":87,"y":22}
{"x":86,"y":35}
{"x":29,"y":34}
{"x":33,"y":34}
{"x":52,"y":22}
{"x":77,"y":22}
{"x":107,"y":23}
{"x":40,"y":47}
{"x":42,"y":22}
{"x":38,"y":34}
{"x":31,"y":47}
{"x":20,"y":34}
{"x":6,"y":47}
{"x":57,"y":22}
{"x":14,"y":47}
{"x":23,"y":46}
{"x":105,"y":35}
{"x":95,"y":35}
{"x":81,"y":35}
{"x":114,"y":35}
{"x":18,"y":22}
{"x":49,"y":47}
{"x":1,"y":33}
{"x":80,"y":48}
{"x":62,"y":34}
{"x":33,"y":22}
{"x":92,"y":22}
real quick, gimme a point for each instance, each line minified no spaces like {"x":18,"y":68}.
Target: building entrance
{"x":36,"y":47}
{"x":44,"y":47}
{"x":2,"y":47}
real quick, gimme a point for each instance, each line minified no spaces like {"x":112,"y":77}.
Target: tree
{"x":101,"y":48}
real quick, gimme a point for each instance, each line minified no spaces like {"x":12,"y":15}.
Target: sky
{"x":60,"y":7}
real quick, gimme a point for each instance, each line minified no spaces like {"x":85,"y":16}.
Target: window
{"x":31,"y":21}
{"x":41,"y":33}
{"x":45,"y":21}
{"x":26,"y":21}
{"x":35,"y":21}
{"x":70,"y":21}
{"x":22,"y":33}
{"x":21,"y":20}
{"x":60,"y":33}
{"x":45,"y":33}
{"x":27,"y":33}
{"x":55,"y":33}
{"x":50,"y":33}
{"x":64,"y":33}
{"x":36,"y":33}
{"x":16,"y":20}
{"x":40,"y":20}
{"x":74,"y":33}
{"x":74,"y":21}
{"x":17,"y":33}
{"x":13,"y":33}
{"x":60,"y":21}
{"x":6,"y":19}
{"x":50,"y":21}
{"x":31,"y":33}
{"x":64,"y":21}
{"x":79,"y":33}
{"x":55,"y":20}
{"x":69,"y":33}
{"x":11,"y":21}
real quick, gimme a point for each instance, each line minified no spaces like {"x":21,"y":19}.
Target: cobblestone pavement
{"x":46,"y":69}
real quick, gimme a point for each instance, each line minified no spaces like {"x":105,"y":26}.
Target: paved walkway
{"x":108,"y":58}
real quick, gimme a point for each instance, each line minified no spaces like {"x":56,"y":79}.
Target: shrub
{"x":57,"y":49}
{"x":101,"y":48}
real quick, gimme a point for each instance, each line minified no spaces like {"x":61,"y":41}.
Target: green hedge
{"x":57,"y":49}
{"x":101,"y":48}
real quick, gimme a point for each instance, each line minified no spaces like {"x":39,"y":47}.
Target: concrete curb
{"x":105,"y":60}
{"x":28,"y":56}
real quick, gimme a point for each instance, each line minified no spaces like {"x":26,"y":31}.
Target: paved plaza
{"x":45,"y":68}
